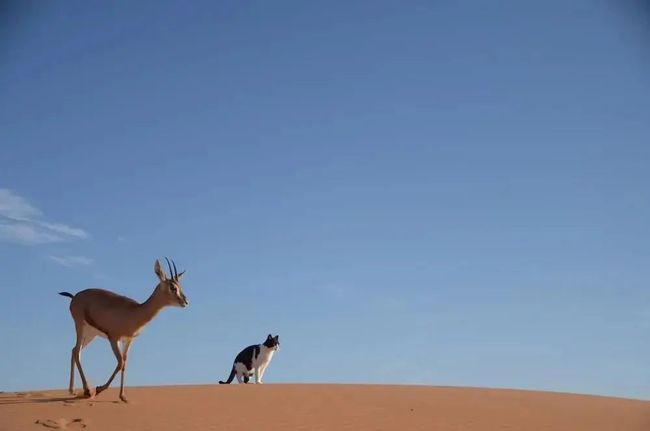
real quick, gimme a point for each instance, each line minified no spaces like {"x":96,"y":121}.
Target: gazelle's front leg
{"x":125,"y":350}
{"x":120,"y":363}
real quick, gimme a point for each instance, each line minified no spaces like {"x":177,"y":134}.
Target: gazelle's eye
{"x":172,"y":288}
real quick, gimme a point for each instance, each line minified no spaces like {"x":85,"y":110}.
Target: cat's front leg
{"x":258,"y":376}
{"x":262,"y":371}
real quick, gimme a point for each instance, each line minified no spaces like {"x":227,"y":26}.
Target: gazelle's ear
{"x":159,"y":271}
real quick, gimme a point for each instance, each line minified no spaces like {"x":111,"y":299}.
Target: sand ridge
{"x":322,"y":407}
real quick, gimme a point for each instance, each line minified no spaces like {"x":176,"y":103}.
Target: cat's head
{"x":272,"y":342}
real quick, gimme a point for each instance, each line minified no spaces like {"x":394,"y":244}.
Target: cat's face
{"x":272,"y":342}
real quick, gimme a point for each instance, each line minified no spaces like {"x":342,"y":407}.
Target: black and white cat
{"x":253,"y":360}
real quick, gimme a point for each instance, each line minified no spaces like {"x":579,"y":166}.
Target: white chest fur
{"x":264,"y":356}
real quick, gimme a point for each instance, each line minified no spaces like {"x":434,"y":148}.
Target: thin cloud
{"x":22,"y":233}
{"x":70,"y":261}
{"x":16,"y":207}
{"x":22,"y":223}
{"x":64,"y":229}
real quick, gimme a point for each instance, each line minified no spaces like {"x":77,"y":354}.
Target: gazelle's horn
{"x":175,"y":270}
{"x":171,"y":274}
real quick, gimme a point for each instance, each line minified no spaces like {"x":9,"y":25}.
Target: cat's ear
{"x":277,"y":338}
{"x":269,"y":337}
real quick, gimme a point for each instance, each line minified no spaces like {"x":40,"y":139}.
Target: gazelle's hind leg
{"x":76,"y":351}
{"x":71,"y":386}
{"x":88,"y":335}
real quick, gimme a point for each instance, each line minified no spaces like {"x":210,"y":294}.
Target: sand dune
{"x":322,"y":407}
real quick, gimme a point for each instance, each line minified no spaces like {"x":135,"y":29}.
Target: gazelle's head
{"x":170,"y":289}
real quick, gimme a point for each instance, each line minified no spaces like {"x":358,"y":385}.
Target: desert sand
{"x":321,"y":407}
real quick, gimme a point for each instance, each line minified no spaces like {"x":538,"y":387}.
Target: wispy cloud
{"x":23,"y":223}
{"x":71,"y":261}
{"x":23,"y":233}
{"x":14,"y":206}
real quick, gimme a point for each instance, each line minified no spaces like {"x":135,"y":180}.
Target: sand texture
{"x":321,"y":407}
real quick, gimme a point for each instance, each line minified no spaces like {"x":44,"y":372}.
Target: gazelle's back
{"x":102,"y":309}
{"x":100,"y":298}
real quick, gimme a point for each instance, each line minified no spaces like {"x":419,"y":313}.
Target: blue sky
{"x":444,"y":193}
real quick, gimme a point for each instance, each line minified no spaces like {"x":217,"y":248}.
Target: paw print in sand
{"x":77,"y":423}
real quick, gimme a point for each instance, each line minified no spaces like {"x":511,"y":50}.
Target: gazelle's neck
{"x":149,"y":308}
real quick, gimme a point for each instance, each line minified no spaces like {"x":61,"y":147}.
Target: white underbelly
{"x":89,"y":333}
{"x":241,"y":369}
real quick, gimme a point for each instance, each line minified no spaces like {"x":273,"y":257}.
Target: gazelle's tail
{"x":68,"y":294}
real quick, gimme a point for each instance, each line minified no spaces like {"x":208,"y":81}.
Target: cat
{"x":253,"y":360}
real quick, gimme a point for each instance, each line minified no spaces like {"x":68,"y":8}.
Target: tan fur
{"x":118,"y":318}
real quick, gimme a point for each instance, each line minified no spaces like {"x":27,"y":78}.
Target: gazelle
{"x":120,"y":319}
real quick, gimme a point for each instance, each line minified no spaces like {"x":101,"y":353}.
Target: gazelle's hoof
{"x":123,"y":398}
{"x":88,"y":394}
{"x":100,"y":389}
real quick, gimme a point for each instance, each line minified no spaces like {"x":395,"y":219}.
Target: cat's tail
{"x":230,"y":377}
